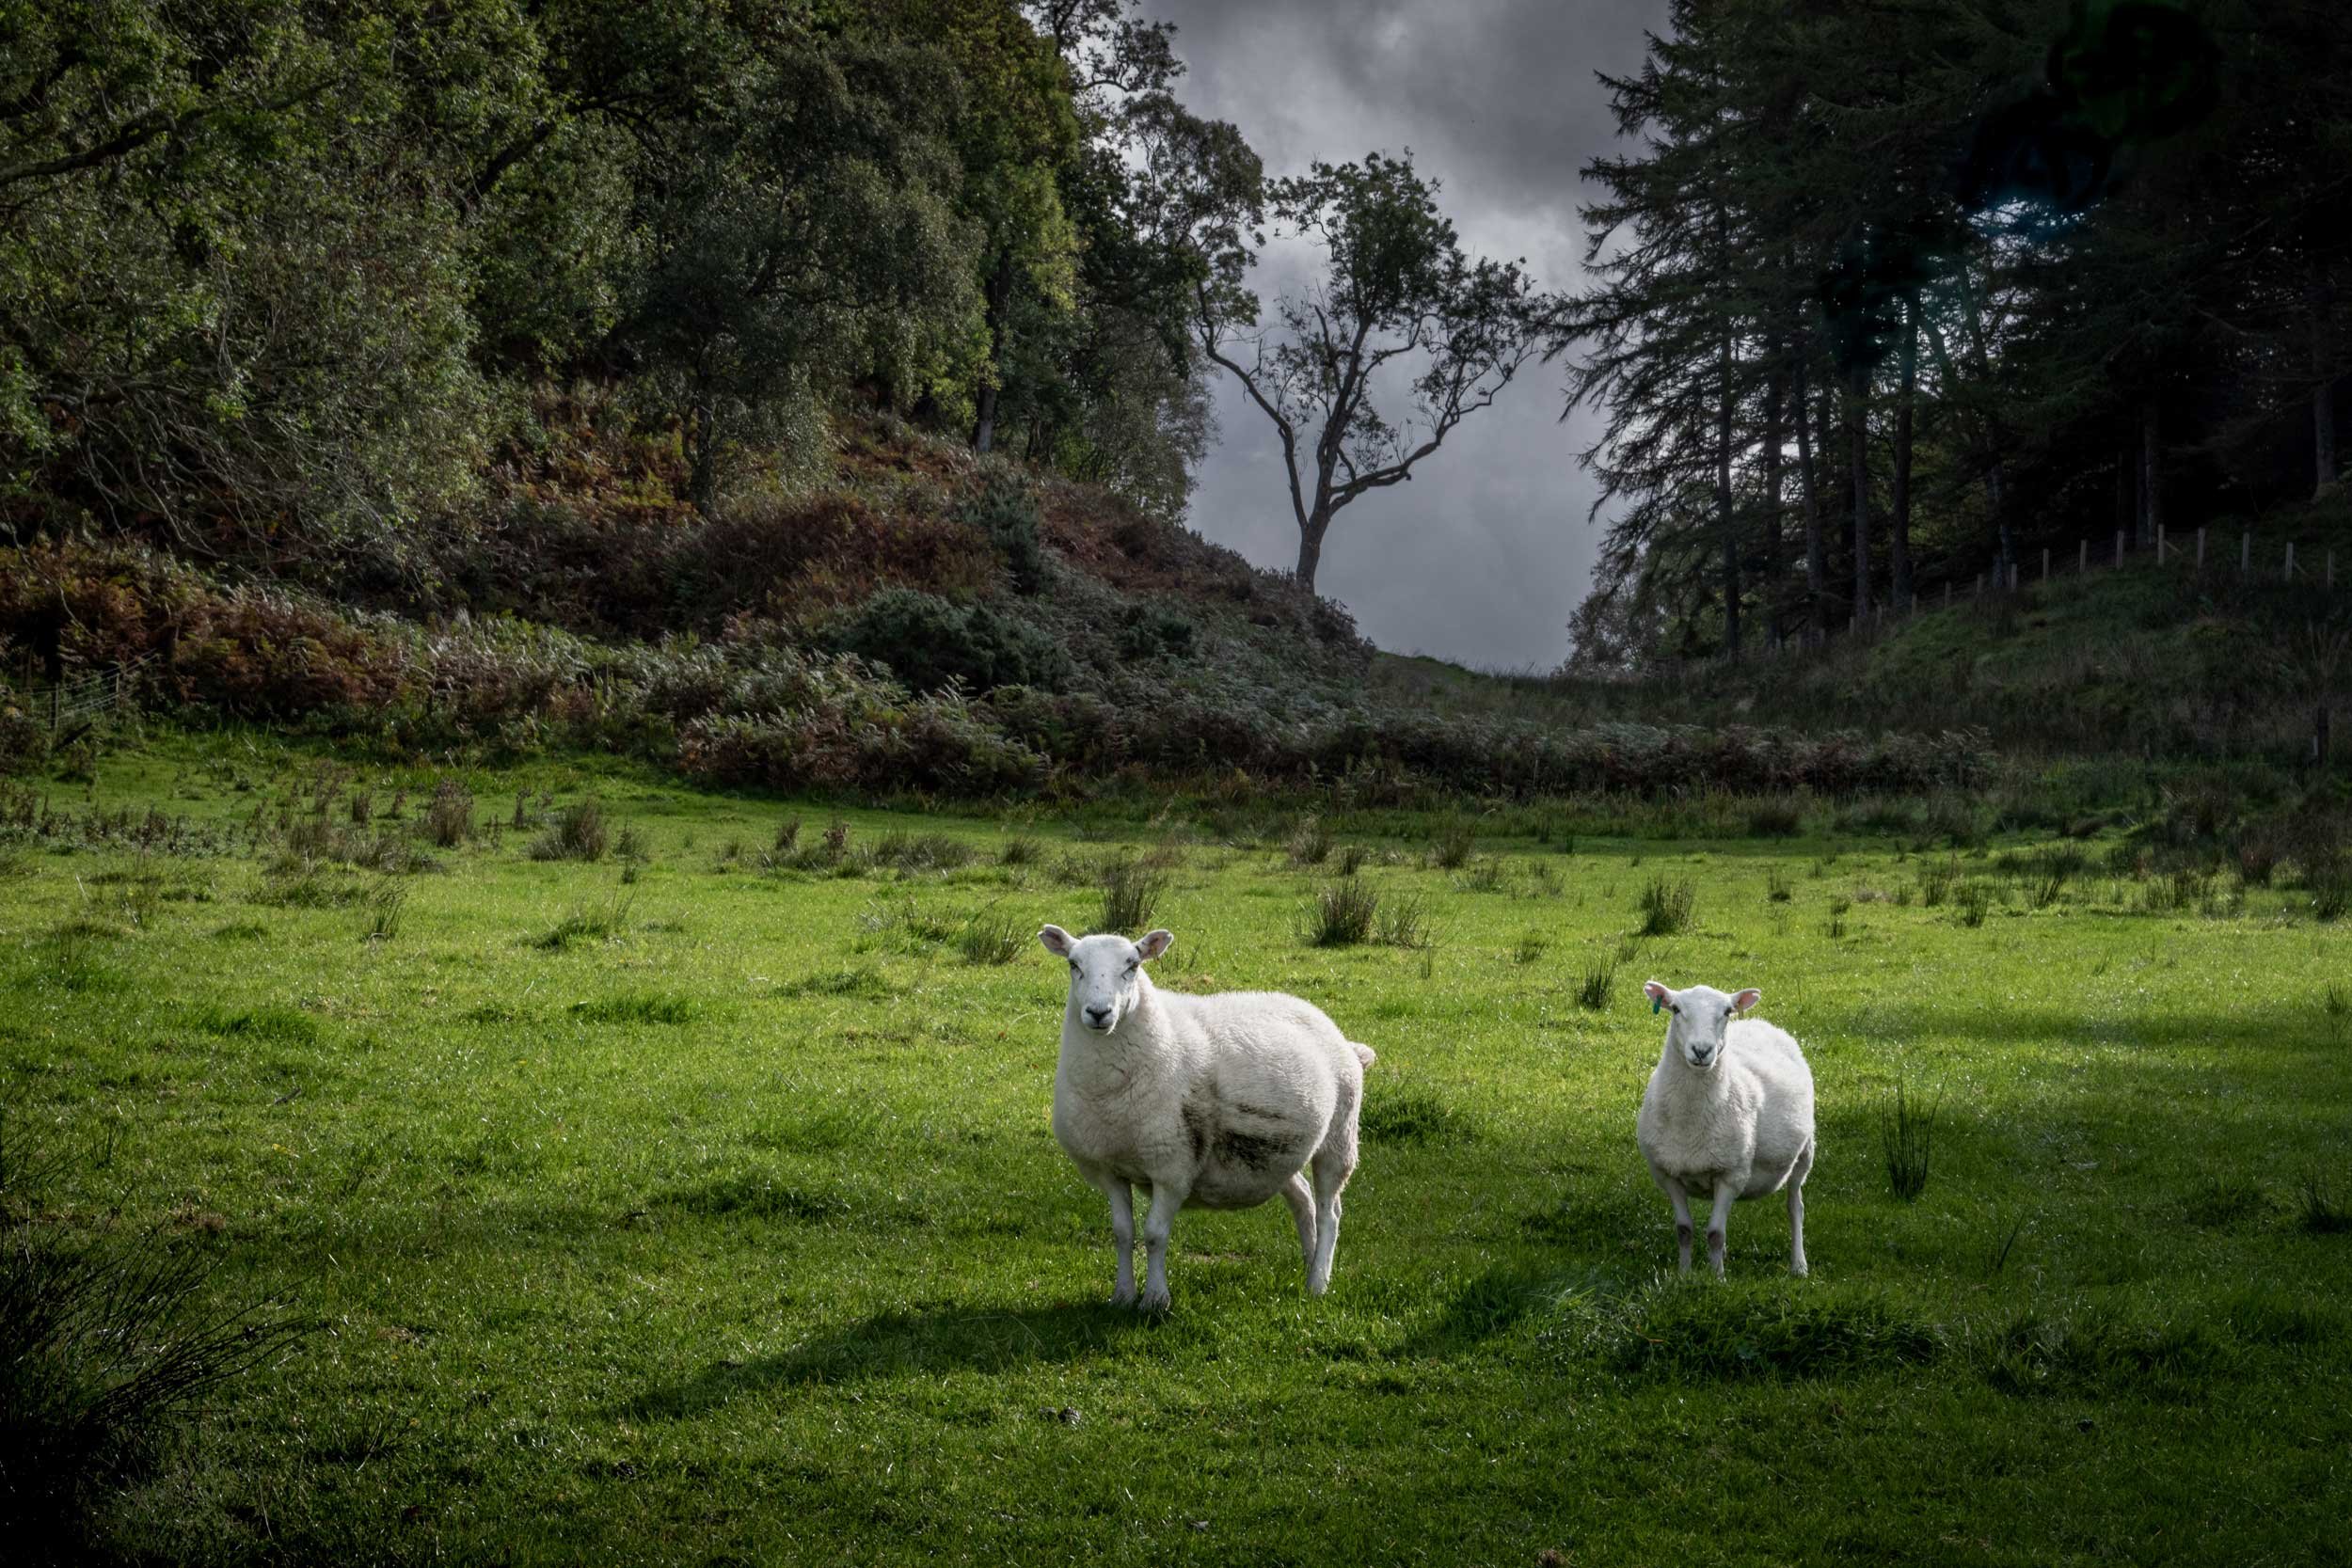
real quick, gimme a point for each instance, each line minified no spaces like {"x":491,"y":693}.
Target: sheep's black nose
{"x":1098,"y":1016}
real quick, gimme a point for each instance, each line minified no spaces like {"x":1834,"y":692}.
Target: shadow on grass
{"x":921,"y":1343}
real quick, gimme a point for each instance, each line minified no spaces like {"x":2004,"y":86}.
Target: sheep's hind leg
{"x":1124,"y":1237}
{"x":1331,"y":1173}
{"x":1301,"y":1199}
{"x":1166,"y":1199}
{"x":1803,"y":1168}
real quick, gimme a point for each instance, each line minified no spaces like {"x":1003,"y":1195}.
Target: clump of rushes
{"x":1666,"y":906}
{"x":1129,"y":891}
{"x":1342,"y":914}
{"x":1907,"y":1137}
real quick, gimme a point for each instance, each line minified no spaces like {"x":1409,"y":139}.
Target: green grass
{"x":736,"y":1230}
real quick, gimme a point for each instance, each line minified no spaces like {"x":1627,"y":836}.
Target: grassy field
{"x":697,"y":1203}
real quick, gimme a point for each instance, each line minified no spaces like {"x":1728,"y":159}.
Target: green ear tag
{"x":1655,"y":1003}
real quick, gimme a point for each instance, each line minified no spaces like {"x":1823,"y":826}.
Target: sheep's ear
{"x":1746,"y":999}
{"x":1054,"y":940}
{"x":1153,"y":945}
{"x":1657,"y":993}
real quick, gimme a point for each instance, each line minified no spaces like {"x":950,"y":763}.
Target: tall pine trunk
{"x":1774,"y":393}
{"x":1816,"y":544}
{"x":1899,"y":536}
{"x":1724,"y":522}
{"x":2150,"y":471}
{"x":1858,"y":449}
{"x":2325,"y":471}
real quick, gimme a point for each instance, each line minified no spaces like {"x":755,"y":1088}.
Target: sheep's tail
{"x":1364,"y":1054}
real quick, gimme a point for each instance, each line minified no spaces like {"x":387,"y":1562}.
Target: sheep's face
{"x":1701,"y":1019}
{"x":1105,"y":973}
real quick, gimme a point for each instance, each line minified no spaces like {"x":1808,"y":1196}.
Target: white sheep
{"x":1211,"y":1102}
{"x":1729,"y":1112}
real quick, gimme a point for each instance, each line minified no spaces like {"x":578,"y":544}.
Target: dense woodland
{"x":1894,"y":294}
{"x":806,"y":394}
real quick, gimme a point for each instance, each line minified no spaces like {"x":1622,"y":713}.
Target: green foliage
{"x":1342,"y":914}
{"x":1667,"y":905}
{"x":1131,"y":890}
{"x":1009,"y":518}
{"x":1907,"y":1139}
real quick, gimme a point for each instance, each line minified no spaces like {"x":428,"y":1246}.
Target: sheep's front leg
{"x":1717,"y":1218}
{"x":1166,"y":1199}
{"x":1679,"y":1196}
{"x":1124,"y":1237}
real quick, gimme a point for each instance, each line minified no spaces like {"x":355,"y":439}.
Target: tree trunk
{"x":2325,"y":471}
{"x":998,"y":296}
{"x":1808,"y":479}
{"x":1775,"y":391}
{"x":1725,"y":522}
{"x":702,"y":453}
{"x":1996,"y":492}
{"x":1899,"y":536}
{"x":1310,"y":547}
{"x":1858,"y":447}
{"x":2151,"y":473}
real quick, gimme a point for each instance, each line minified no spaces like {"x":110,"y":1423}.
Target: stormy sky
{"x":1482,"y":556}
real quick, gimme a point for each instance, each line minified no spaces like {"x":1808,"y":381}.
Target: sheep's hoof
{"x":1154,"y":1304}
{"x":1123,"y":1298}
{"x":1799,"y":1268}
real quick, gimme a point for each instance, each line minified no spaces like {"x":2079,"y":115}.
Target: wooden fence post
{"x":2286,"y":572}
{"x":2082,"y":558}
{"x":2200,"y":549}
{"x":1979,"y":593}
{"x":2046,"y":562}
{"x":2245,"y":554}
{"x":2331,"y":571}
{"x":2119,"y":547}
{"x":2159,"y":544}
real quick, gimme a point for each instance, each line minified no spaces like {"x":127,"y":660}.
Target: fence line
{"x":82,"y":697}
{"x":2164,"y":551}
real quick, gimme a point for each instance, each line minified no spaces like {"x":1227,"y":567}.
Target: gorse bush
{"x":1006,"y":515}
{"x":930,"y":644}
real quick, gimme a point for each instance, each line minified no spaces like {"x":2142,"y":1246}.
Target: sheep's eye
{"x":1674,"y":1008}
{"x":1073,"y":966}
{"x":1133,"y":967}
{"x":1727,"y":1012}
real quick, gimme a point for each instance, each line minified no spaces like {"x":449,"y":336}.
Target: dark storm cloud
{"x":1483,"y":555}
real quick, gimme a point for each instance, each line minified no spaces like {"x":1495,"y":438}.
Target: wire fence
{"x":81,"y":698}
{"x":2314,"y":567}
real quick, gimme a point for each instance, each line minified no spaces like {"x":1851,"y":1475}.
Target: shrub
{"x":1342,"y":914}
{"x":1667,"y":906}
{"x":1782,"y":817}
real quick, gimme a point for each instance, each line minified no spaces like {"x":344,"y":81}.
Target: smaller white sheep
{"x":1729,"y":1112}
{"x":1211,"y":1102}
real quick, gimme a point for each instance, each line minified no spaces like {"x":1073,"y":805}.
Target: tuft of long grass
{"x":1600,"y":980}
{"x":1907,"y":1137}
{"x":383,"y":911}
{"x":1129,"y":891}
{"x":449,"y":820}
{"x":1667,"y":906}
{"x":2318,"y":1209}
{"x":108,"y":1338}
{"x":1453,"y":846}
{"x":579,"y":833}
{"x":1311,"y":843}
{"x":582,"y":924}
{"x":992,"y":936}
{"x":1404,"y":923}
{"x":1342,"y":914}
